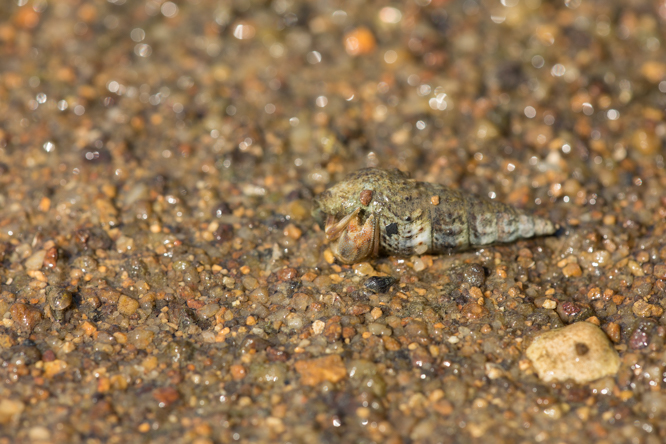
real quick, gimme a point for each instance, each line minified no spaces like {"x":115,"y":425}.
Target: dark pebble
{"x":378,"y":284}
{"x":221,"y":209}
{"x":475,"y":275}
{"x":92,"y":238}
{"x":26,"y":355}
{"x":639,"y":339}
{"x":224,"y":233}
{"x":253,"y":342}
{"x":571,"y":312}
{"x":180,"y":351}
{"x":59,"y":299}
{"x":96,"y":155}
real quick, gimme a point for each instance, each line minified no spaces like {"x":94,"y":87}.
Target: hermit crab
{"x":376,"y":211}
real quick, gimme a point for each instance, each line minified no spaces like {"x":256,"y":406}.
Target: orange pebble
{"x":359,"y":41}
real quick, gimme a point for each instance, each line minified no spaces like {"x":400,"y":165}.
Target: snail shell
{"x":376,"y":211}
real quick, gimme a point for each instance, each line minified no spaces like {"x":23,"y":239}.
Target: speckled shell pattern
{"x":419,"y":217}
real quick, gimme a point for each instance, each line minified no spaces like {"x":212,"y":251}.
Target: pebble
{"x":363,"y":269}
{"x":549,"y":304}
{"x":572,"y":270}
{"x":58,"y":298}
{"x":613,"y":331}
{"x":644,"y":310}
{"x":293,"y":231}
{"x":54,"y":367}
{"x":333,"y":329}
{"x":359,"y":41}
{"x":298,"y":210}
{"x":580,"y":352}
{"x":287,"y":274}
{"x":249,"y":283}
{"x":39,"y":433}
{"x":260,"y":295}
{"x":141,"y":338}
{"x":659,"y":271}
{"x":35,"y":261}
{"x":378,"y":284}
{"x":474,"y":311}
{"x":639,"y":339}
{"x":10,"y":410}
{"x":165,"y":396}
{"x":238,"y":372}
{"x":127,"y":305}
{"x":475,"y":275}
{"x":25,"y":316}
{"x":315,"y":371}
{"x":645,"y":142}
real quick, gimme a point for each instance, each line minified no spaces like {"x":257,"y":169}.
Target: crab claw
{"x":357,"y":240}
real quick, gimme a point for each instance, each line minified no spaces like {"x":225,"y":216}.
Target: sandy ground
{"x":162,"y":279}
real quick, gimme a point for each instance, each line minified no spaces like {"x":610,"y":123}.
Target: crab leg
{"x":334,"y":229}
{"x":358,"y":241}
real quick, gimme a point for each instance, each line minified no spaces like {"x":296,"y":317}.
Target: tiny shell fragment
{"x":580,"y":352}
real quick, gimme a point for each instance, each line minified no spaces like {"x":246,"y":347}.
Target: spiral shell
{"x":376,"y":211}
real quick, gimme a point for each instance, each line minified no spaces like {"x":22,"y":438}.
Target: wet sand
{"x":162,"y":280}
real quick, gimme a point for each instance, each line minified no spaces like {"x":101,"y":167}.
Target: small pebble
{"x":127,"y":305}
{"x":419,"y":264}
{"x":165,"y":396}
{"x":54,"y":367}
{"x":580,"y":351}
{"x":287,"y":274}
{"x":35,"y":261}
{"x":378,"y":284}
{"x":550,"y":304}
{"x":643,"y":309}
{"x":639,"y":339}
{"x":140,"y":337}
{"x":609,"y":219}
{"x":58,"y":298}
{"x":659,"y":271}
{"x":315,"y":371}
{"x":238,"y":372}
{"x":359,"y":41}
{"x":10,"y":410}
{"x":474,"y":274}
{"x":572,"y":270}
{"x":25,"y":316}
{"x":293,"y":231}
{"x":39,"y":433}
{"x":249,"y":282}
{"x":613,"y":331}
{"x":363,"y":269}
